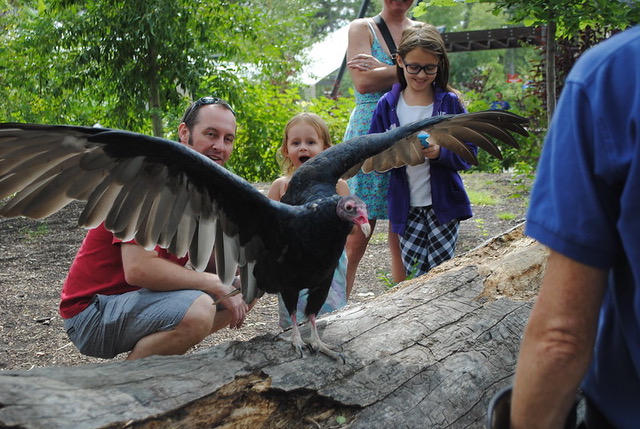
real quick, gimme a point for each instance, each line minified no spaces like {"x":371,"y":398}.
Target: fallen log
{"x":428,"y":354}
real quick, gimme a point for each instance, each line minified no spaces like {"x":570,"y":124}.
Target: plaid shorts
{"x":426,"y":243}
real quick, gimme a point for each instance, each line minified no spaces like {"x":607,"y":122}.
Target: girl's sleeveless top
{"x":372,"y":187}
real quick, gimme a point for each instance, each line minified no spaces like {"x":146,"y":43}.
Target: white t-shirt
{"x":419,"y":176}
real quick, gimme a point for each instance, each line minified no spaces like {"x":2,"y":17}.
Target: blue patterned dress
{"x":371,"y":187}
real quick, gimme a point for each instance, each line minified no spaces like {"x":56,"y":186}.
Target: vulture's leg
{"x":295,"y":338}
{"x":316,"y":344}
{"x":291,"y":304}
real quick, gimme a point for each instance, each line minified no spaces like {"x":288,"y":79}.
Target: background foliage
{"x":138,"y":65}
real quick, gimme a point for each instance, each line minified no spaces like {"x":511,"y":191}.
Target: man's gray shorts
{"x":113,"y":324}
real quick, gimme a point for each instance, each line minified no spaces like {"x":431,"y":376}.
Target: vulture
{"x":160,"y":192}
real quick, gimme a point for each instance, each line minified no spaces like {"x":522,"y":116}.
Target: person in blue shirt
{"x":427,"y":201}
{"x":499,"y":103}
{"x":584,"y":329}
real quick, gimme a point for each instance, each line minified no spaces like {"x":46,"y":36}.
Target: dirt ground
{"x":35,"y":257}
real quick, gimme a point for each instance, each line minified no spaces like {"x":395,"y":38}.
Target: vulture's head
{"x":354,"y":210}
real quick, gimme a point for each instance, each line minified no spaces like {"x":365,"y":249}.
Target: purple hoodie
{"x":449,"y":199}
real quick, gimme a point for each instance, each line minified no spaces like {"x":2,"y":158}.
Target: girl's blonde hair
{"x":308,"y":118}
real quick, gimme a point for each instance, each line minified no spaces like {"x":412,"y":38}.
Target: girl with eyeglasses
{"x":427,"y":201}
{"x":371,"y":65}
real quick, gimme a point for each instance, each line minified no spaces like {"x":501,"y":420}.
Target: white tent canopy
{"x":325,"y":56}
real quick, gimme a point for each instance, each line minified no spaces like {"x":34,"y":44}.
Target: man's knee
{"x":198,"y":319}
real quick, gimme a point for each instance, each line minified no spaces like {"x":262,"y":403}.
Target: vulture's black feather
{"x":163,"y":193}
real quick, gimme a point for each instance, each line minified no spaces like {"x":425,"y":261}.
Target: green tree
{"x":564,"y":19}
{"x":333,"y":14}
{"x":576,"y":24}
{"x":32,"y":88}
{"x":132,"y":63}
{"x":473,"y":70}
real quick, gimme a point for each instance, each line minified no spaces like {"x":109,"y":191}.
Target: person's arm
{"x":558,"y":343}
{"x":379,"y":121}
{"x":368,"y":73}
{"x":342,"y":188}
{"x":143,"y":268}
{"x":277,"y":189}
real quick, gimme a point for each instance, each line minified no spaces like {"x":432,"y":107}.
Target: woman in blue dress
{"x":373,"y":72}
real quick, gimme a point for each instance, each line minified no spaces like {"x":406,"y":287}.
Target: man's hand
{"x":237,"y":309}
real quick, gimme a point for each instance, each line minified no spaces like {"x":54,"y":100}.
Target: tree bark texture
{"x":428,"y":354}
{"x":550,"y":69}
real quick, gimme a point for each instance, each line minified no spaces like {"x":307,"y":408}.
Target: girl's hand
{"x":364,"y":62}
{"x":431,"y":152}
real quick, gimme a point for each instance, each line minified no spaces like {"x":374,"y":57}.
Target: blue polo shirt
{"x":585,"y":204}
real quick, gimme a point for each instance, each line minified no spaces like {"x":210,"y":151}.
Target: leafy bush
{"x":524,"y":102}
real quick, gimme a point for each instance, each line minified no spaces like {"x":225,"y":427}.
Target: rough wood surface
{"x":428,"y":354}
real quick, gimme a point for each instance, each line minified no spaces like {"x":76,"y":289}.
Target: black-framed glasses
{"x":189,"y":114}
{"x":429,"y":69}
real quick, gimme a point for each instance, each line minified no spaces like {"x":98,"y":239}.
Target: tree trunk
{"x":551,"y":69}
{"x":154,"y":92}
{"x":428,"y":354}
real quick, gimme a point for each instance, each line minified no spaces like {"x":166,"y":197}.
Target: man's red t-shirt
{"x":97,"y":269}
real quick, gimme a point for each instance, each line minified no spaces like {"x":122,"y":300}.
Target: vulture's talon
{"x":316,"y":344}
{"x":294,"y":339}
{"x":332,"y":354}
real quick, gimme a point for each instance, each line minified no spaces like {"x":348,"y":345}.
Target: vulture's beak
{"x":366,"y":228}
{"x":363,"y":221}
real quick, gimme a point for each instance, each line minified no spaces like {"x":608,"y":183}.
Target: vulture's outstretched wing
{"x":452,"y":133}
{"x":163,"y":193}
{"x":400,"y":146}
{"x":153,"y":190}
